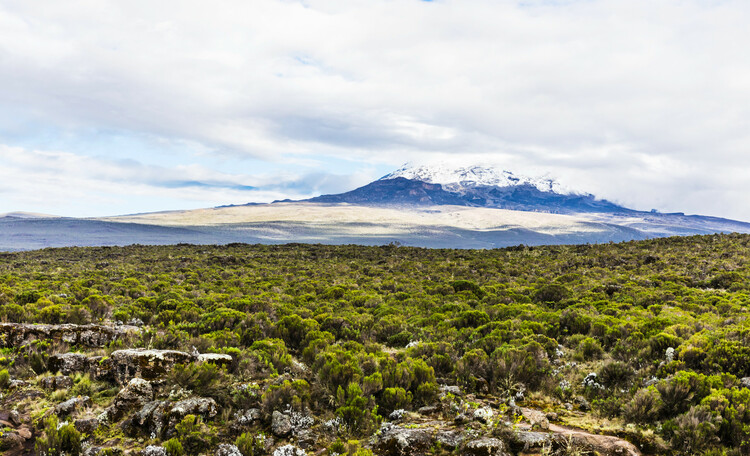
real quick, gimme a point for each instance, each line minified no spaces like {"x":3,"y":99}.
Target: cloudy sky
{"x":113,"y":107}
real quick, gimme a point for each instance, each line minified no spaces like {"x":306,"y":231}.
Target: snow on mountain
{"x":455,"y":179}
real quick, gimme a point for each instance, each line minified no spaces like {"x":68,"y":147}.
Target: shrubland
{"x":647,"y":340}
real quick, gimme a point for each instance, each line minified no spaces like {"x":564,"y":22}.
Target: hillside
{"x":631,"y":348}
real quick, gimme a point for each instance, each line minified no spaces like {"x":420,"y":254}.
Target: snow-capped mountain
{"x":475,"y":186}
{"x":455,"y":179}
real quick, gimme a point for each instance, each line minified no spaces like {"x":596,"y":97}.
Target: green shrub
{"x":251,"y":444}
{"x":394,"y":399}
{"x":58,"y":440}
{"x":4,"y":378}
{"x":644,"y":407}
{"x":173,"y":447}
{"x":589,"y":349}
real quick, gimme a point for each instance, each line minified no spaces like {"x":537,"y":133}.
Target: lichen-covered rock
{"x":247,"y":417}
{"x":483,"y":414}
{"x":16,"y":334}
{"x":72,"y":405}
{"x":149,"y":420}
{"x":289,"y":450}
{"x":537,"y":419}
{"x":137,"y":392}
{"x":147,"y":364}
{"x":449,"y":439}
{"x":217,"y":359}
{"x":401,"y":441}
{"x":486,"y":447}
{"x":56,"y":382}
{"x":69,"y":363}
{"x":86,"y":425}
{"x":228,"y":450}
{"x":450,"y":389}
{"x":153,"y":450}
{"x":203,"y":406}
{"x":528,"y":440}
{"x":281,"y":425}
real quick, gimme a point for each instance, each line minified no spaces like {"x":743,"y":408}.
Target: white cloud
{"x":642,"y":102}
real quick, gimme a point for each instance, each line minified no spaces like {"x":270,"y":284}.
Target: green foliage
{"x":173,"y":447}
{"x":193,"y":435}
{"x":379,"y":328}
{"x":4,"y":378}
{"x":58,"y":440}
{"x":251,"y":444}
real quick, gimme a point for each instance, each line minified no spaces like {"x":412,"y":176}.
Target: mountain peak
{"x":455,"y":178}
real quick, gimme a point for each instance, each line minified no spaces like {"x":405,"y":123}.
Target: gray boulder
{"x":281,"y":425}
{"x":486,"y":447}
{"x":396,"y":440}
{"x":70,"y":406}
{"x":69,"y":363}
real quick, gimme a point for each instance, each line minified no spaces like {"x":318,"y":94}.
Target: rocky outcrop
{"x":69,"y":363}
{"x":486,"y":447}
{"x":400,"y":441}
{"x":71,"y":406}
{"x":159,"y":418}
{"x":56,"y":383}
{"x":17,"y":334}
{"x":137,"y":393}
{"x":148,"y":364}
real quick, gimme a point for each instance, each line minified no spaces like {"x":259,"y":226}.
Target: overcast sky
{"x":113,"y":107}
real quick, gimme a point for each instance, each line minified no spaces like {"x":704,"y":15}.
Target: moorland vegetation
{"x":356,"y":350}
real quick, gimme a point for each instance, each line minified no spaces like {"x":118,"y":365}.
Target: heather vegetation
{"x":337,"y":348}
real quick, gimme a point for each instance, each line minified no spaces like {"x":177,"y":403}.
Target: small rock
{"x":537,"y":419}
{"x":397,"y":414}
{"x":745,"y":382}
{"x":247,"y":417}
{"x":16,"y":384}
{"x":57,"y":382}
{"x":552,"y":416}
{"x":153,"y":450}
{"x":10,"y":441}
{"x":228,"y":450}
{"x":25,"y":433}
{"x":454,"y":390}
{"x":483,"y":414}
{"x":306,"y":439}
{"x":71,"y":405}
{"x":428,"y":410}
{"x":14,"y":417}
{"x":289,"y":450}
{"x":281,"y":425}
{"x":529,"y":440}
{"x":486,"y":447}
{"x":583,"y":404}
{"x":86,"y":425}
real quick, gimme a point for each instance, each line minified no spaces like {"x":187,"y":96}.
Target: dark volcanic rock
{"x":86,"y":425}
{"x":137,"y":393}
{"x":57,"y":382}
{"x":17,"y":334}
{"x":395,"y":440}
{"x":72,"y":405}
{"x":69,"y":363}
{"x":281,"y":425}
{"x":148,"y":364}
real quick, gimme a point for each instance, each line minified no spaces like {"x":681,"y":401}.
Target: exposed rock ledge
{"x":17,"y":334}
{"x":124,"y":365}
